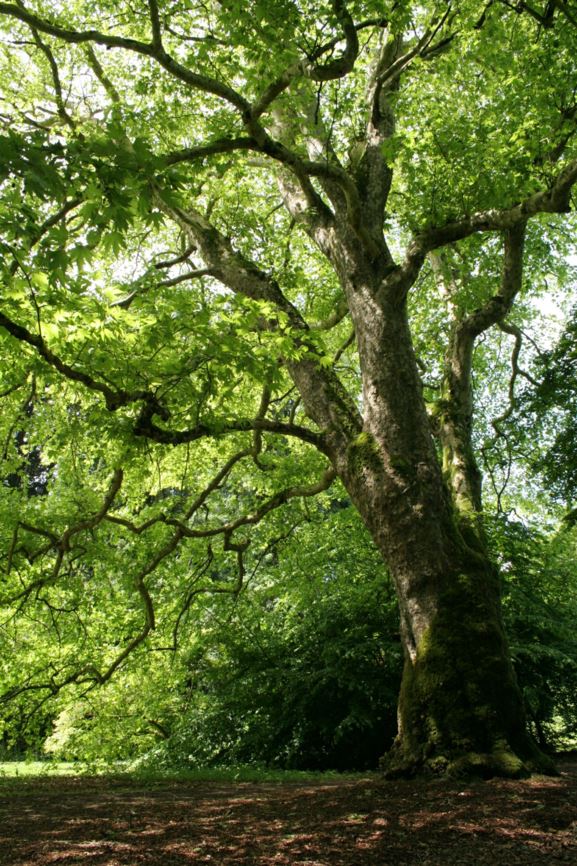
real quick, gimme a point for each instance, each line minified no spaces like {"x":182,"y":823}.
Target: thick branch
{"x":146,"y":428}
{"x":303,"y":169}
{"x":201,"y":82}
{"x":340,"y":66}
{"x":499,"y":305}
{"x":326,"y":399}
{"x":114,"y":398}
{"x":456,"y":426}
{"x":336,"y":68}
{"x":372,"y":171}
{"x":555,"y":199}
{"x":220,"y":145}
{"x":155,"y":24}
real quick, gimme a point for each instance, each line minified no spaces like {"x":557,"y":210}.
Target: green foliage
{"x":551,"y":407}
{"x":307,"y":684}
{"x":300,"y":672}
{"x":540,"y":605}
{"x":167,"y":589}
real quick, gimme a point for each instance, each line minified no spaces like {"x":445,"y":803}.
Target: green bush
{"x":309,"y":683}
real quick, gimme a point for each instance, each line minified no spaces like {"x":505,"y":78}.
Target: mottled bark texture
{"x":460,"y":710}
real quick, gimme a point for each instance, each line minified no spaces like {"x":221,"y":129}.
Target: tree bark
{"x":460,"y":709}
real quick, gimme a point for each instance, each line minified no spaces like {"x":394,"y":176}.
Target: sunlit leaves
{"x":131,"y":323}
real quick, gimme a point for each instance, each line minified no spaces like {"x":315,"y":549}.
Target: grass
{"x":25,"y":769}
{"x":246,"y":773}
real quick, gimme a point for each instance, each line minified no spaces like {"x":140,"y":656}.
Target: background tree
{"x":216,"y":237}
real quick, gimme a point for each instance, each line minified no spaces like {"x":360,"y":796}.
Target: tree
{"x":330,"y":180}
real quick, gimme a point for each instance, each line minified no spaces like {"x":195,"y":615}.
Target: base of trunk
{"x":461,"y":712}
{"x":501,"y":762}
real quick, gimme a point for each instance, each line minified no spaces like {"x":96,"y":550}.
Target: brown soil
{"x":363,"y":822}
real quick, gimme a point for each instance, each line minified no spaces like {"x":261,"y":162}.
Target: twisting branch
{"x":324,"y":395}
{"x":275,"y":501}
{"x":517,"y":333}
{"x":555,"y":199}
{"x":516,"y":371}
{"x":126,"y":302}
{"x":497,"y":307}
{"x":225,"y":530}
{"x":115,"y":398}
{"x":197,"y":503}
{"x":90,"y":673}
{"x":342,"y":65}
{"x":146,"y":427}
{"x":231,"y":268}
{"x":263,"y":142}
{"x":165,"y":264}
{"x":60,"y":104}
{"x":61,"y":544}
{"x":337,"y":68}
{"x":77,"y":37}
{"x":228,"y":265}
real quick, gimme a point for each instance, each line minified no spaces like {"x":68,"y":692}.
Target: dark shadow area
{"x":111,"y":822}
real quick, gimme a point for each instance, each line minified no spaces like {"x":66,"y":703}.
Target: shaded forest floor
{"x":101,"y":821}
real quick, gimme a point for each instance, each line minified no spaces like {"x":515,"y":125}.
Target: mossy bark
{"x":460,"y":710}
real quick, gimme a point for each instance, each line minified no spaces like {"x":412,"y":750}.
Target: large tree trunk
{"x":460,"y":709}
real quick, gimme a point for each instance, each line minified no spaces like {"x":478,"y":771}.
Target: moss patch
{"x":460,"y":707}
{"x":363,"y":452}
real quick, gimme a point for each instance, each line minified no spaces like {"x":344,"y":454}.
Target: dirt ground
{"x":363,"y":822}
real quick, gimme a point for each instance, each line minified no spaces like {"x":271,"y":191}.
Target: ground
{"x":365,"y":821}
